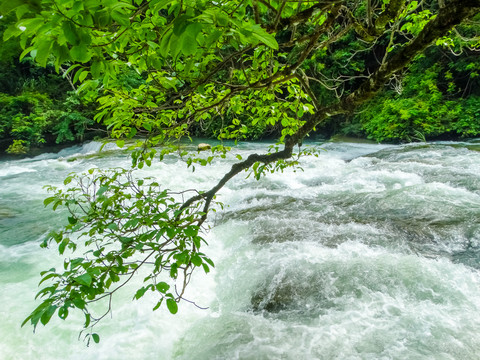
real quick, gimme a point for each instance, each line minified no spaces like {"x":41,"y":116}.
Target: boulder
{"x":203,"y":147}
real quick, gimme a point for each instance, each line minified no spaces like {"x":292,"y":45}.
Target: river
{"x":371,"y":252}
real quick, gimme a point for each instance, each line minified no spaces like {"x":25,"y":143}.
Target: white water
{"x":372,"y":252}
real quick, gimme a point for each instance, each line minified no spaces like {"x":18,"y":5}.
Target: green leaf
{"x":171,"y":232}
{"x":75,"y":262}
{"x":83,"y":75}
{"x":9,"y":5}
{"x":62,"y":246}
{"x":154,"y":308}
{"x":48,"y":200}
{"x":78,"y":73}
{"x":180,"y":25}
{"x":172,"y":306}
{"x":213,"y":37}
{"x":265,"y":38}
{"x":162,"y":287}
{"x":189,"y":42}
{"x":102,"y":189}
{"x":161,"y":4}
{"x":87,"y":320}
{"x":221,"y":18}
{"x":175,"y":46}
{"x":11,"y":31}
{"x":197,"y":241}
{"x":196,"y":260}
{"x":140,"y":292}
{"x":112,"y":226}
{"x":63,"y":312}
{"x":79,"y":303}
{"x":103,"y":18}
{"x":120,"y":17}
{"x":165,"y":43}
{"x":57,"y":204}
{"x":49,"y":276}
{"x":70,"y":32}
{"x":26,"y":320}
{"x":191,"y":231}
{"x":25,"y":52}
{"x":209,"y":261}
{"x":85,"y":279}
{"x":206,"y":268}
{"x":96,"y":69}
{"x":125,"y":240}
{"x":80,"y":53}
{"x":96,"y":338}
{"x":47,"y":314}
{"x":43,"y":51}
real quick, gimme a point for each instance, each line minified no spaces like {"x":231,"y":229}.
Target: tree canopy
{"x":236,"y":65}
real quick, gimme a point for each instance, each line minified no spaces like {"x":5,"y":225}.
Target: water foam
{"x":369,"y":253}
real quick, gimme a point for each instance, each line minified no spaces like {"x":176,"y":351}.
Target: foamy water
{"x":371,"y":252}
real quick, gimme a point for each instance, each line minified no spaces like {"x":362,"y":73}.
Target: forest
{"x":437,"y":97}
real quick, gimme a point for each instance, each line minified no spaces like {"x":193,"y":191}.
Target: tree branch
{"x":447,"y":18}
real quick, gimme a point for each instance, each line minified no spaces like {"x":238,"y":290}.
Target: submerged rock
{"x":5,"y":213}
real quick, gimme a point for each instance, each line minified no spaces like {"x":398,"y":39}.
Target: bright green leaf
{"x":172,"y":306}
{"x":84,"y":279}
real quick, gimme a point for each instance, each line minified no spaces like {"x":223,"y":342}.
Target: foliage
{"x":19,"y":147}
{"x":32,"y":116}
{"x":432,"y":100}
{"x":246,"y":65}
{"x":37,"y":105}
{"x":129,"y":225}
{"x":21,"y":116}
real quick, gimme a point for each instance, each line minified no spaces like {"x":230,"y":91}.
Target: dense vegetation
{"x":165,"y":69}
{"x":439,"y":96}
{"x":37,"y":105}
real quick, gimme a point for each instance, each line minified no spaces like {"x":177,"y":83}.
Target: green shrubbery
{"x":33,"y":118}
{"x":439,"y":97}
{"x":37,"y":105}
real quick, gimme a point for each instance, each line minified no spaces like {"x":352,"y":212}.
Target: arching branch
{"x":446,"y":19}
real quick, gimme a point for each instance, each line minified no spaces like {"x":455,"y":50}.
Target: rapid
{"x":369,"y":252}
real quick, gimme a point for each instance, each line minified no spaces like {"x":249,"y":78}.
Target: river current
{"x":371,"y":252}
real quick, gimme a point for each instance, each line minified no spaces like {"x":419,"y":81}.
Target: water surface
{"x":371,"y":252}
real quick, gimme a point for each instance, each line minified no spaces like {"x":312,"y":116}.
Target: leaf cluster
{"x":123,"y":227}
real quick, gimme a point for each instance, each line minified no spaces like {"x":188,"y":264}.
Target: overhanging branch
{"x":447,"y":18}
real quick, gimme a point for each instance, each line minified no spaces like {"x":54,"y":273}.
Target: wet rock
{"x":203,"y":147}
{"x":4,"y":213}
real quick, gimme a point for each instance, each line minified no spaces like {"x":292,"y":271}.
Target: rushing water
{"x":371,"y":252}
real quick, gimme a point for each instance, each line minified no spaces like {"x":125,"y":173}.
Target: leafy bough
{"x":131,"y":227}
